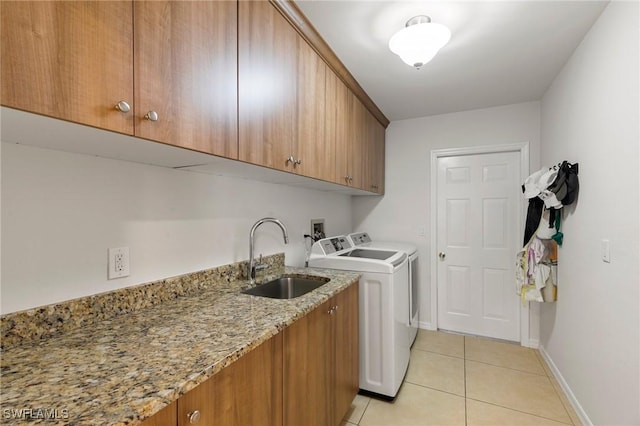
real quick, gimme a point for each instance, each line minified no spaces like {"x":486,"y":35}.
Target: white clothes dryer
{"x":362,"y":239}
{"x":383,"y":308}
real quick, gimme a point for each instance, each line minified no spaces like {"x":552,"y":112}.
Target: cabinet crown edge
{"x":303,"y":26}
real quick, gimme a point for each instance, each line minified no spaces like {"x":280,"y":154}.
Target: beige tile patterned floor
{"x":469,"y":381}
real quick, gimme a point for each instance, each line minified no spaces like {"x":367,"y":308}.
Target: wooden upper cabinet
{"x":359,"y":139}
{"x":228,"y":78}
{"x":359,"y":149}
{"x":186,"y":72}
{"x":281,"y":95}
{"x":311,"y":150}
{"x":338,"y":125}
{"x":267,"y":85}
{"x":69,"y":59}
{"x":377,"y":163}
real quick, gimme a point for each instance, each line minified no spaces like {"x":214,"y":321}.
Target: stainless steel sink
{"x":287,"y":287}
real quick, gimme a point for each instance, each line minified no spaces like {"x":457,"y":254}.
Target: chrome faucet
{"x":252,"y":262}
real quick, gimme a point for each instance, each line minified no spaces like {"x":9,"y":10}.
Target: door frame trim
{"x":521,"y":148}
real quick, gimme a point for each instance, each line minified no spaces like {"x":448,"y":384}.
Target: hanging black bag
{"x":566,"y":185}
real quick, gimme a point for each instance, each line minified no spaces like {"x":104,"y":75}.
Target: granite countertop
{"x":121,"y":371}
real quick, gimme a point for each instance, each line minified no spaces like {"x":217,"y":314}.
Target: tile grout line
{"x":555,"y":390}
{"x":364,"y":411}
{"x":439,"y":353}
{"x":520,"y":411}
{"x":434,"y":389}
{"x":510,"y":368}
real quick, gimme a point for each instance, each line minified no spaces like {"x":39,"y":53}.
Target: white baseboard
{"x":565,"y":387}
{"x":426,"y":325}
{"x":531,"y":343}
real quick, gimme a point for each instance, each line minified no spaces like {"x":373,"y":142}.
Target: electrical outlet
{"x":118,"y":263}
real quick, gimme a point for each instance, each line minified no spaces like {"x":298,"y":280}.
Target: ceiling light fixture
{"x":419,"y":41}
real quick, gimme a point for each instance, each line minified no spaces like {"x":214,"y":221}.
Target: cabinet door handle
{"x":291,"y":160}
{"x":151,"y":116}
{"x":297,"y":162}
{"x":194,"y":417}
{"x":122,"y":106}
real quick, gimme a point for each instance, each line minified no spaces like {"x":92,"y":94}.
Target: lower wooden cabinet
{"x":347,"y":356}
{"x":307,"y":375}
{"x":308,"y":349}
{"x":166,"y":417}
{"x":321,"y":373}
{"x":247,"y":392}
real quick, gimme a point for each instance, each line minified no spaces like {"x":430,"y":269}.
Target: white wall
{"x":591,"y":115}
{"x":404,"y":212}
{"x":61,"y":212}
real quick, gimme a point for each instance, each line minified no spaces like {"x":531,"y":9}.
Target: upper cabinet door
{"x":359,"y":150}
{"x":378,"y":161}
{"x":313,"y":153}
{"x":186,"y":73}
{"x":338,"y":126}
{"x":267,"y":85}
{"x":69,"y":59}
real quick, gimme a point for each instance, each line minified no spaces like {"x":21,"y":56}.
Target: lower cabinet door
{"x":321,"y":362}
{"x":347,"y":373}
{"x":247,"y":392}
{"x":308,"y":352}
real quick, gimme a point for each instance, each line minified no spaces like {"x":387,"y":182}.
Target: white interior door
{"x":477,"y":227}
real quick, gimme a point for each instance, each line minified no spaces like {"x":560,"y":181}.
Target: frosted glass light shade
{"x":417,"y":44}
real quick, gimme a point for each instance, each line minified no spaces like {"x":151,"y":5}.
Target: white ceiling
{"x":500,"y":53}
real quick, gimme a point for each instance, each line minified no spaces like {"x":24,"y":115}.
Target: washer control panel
{"x":360,"y":238}
{"x":333,"y":245}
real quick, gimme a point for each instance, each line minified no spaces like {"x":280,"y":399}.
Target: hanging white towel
{"x":541,"y":275}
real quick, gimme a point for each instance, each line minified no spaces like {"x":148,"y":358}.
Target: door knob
{"x":442,"y":255}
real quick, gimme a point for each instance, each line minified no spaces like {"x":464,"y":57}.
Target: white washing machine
{"x":362,"y":239}
{"x":383,"y":309}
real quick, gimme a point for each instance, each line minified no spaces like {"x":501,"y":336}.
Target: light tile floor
{"x":469,"y":381}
